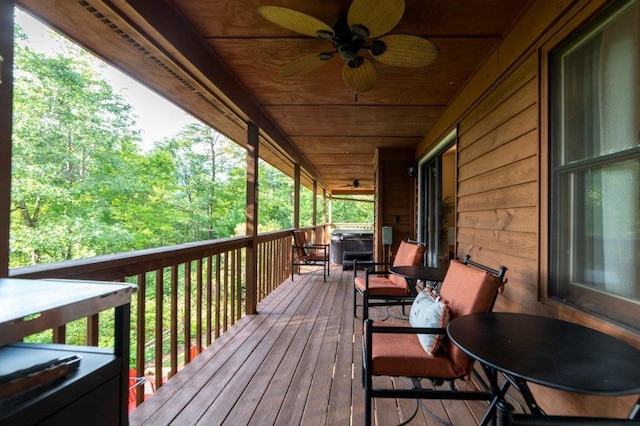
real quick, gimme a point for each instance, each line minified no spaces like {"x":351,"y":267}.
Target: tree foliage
{"x":68,"y":123}
{"x":80,"y":184}
{"x":352,"y":209}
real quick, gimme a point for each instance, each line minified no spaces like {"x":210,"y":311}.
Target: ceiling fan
{"x":360,"y":28}
{"x":356,"y":184}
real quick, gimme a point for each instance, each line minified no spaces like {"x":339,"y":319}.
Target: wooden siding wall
{"x":395,"y":200}
{"x":497,"y":196}
{"x":501,"y":116}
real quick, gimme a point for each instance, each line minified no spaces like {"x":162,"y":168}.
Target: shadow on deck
{"x":298,"y":361}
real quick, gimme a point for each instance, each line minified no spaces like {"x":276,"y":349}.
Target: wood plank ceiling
{"x":219,"y":60}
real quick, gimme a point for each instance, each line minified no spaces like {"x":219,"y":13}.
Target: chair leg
{"x":355,"y":294}
{"x":365,"y":307}
{"x":368,"y":407}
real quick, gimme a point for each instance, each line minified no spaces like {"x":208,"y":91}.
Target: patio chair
{"x":397,"y":349}
{"x":305,"y":253}
{"x":380,"y":288}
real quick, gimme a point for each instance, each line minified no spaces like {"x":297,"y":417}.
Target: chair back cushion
{"x":299,"y":241}
{"x":408,"y":254}
{"x":468,"y":290}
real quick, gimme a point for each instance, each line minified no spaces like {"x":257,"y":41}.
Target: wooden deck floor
{"x":298,"y":361}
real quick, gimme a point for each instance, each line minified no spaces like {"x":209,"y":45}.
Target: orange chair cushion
{"x":403,"y":355}
{"x":381,"y":286}
{"x":408,"y":254}
{"x":468,"y":290}
{"x":316,"y":257}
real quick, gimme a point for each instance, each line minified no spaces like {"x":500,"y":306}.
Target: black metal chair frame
{"x":300,"y":254}
{"x":418,"y":392}
{"x":381,"y":300}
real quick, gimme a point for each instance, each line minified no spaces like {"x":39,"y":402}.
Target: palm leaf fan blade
{"x":378,"y":16}
{"x":407,"y":51}
{"x":294,"y":20}
{"x":302,"y":66}
{"x":359,"y":79}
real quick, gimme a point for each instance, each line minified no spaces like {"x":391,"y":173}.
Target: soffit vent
{"x":163,"y":65}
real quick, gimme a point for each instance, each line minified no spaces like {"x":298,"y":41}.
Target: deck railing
{"x":188,"y":295}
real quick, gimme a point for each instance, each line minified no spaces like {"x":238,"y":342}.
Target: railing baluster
{"x":173,"y":327}
{"x":199,"y":306}
{"x":268,"y":277}
{"x":60,"y":335}
{"x":141,"y":298}
{"x":158,"y":327}
{"x":239,"y":281}
{"x":209,"y":298}
{"x":187,"y":312}
{"x":261,"y":272}
{"x":92,"y":330}
{"x":232,"y":287}
{"x":218,"y":299}
{"x":225,"y":293}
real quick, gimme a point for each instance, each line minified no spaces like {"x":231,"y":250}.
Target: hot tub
{"x":353,"y":240}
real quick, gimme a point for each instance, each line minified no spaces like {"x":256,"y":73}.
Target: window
{"x":595,"y":167}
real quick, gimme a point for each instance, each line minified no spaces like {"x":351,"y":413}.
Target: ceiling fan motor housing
{"x":346,"y":42}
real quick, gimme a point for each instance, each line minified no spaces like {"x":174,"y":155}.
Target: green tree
{"x":210,"y":173}
{"x":275,"y":198}
{"x":72,"y":143}
{"x":352,"y":209}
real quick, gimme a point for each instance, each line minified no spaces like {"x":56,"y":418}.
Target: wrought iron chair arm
{"x":370,"y":268}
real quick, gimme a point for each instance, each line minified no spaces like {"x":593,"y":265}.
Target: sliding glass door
{"x":437,"y":205}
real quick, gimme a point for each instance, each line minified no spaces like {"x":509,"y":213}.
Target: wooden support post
{"x":296,"y":196}
{"x":6,"y":108}
{"x":314,"y":218}
{"x":92,"y":330}
{"x":60,"y":335}
{"x":251,"y":302}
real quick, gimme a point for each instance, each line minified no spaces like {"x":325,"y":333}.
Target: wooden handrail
{"x":202,"y":283}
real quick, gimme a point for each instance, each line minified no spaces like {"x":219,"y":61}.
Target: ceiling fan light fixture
{"x":355,"y":62}
{"x":348,"y":52}
{"x":360,"y":31}
{"x":378,"y":48}
{"x":325,"y":56}
{"x":324,"y":34}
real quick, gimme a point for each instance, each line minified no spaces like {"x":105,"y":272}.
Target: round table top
{"x":424,"y":273}
{"x":550,"y":352}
